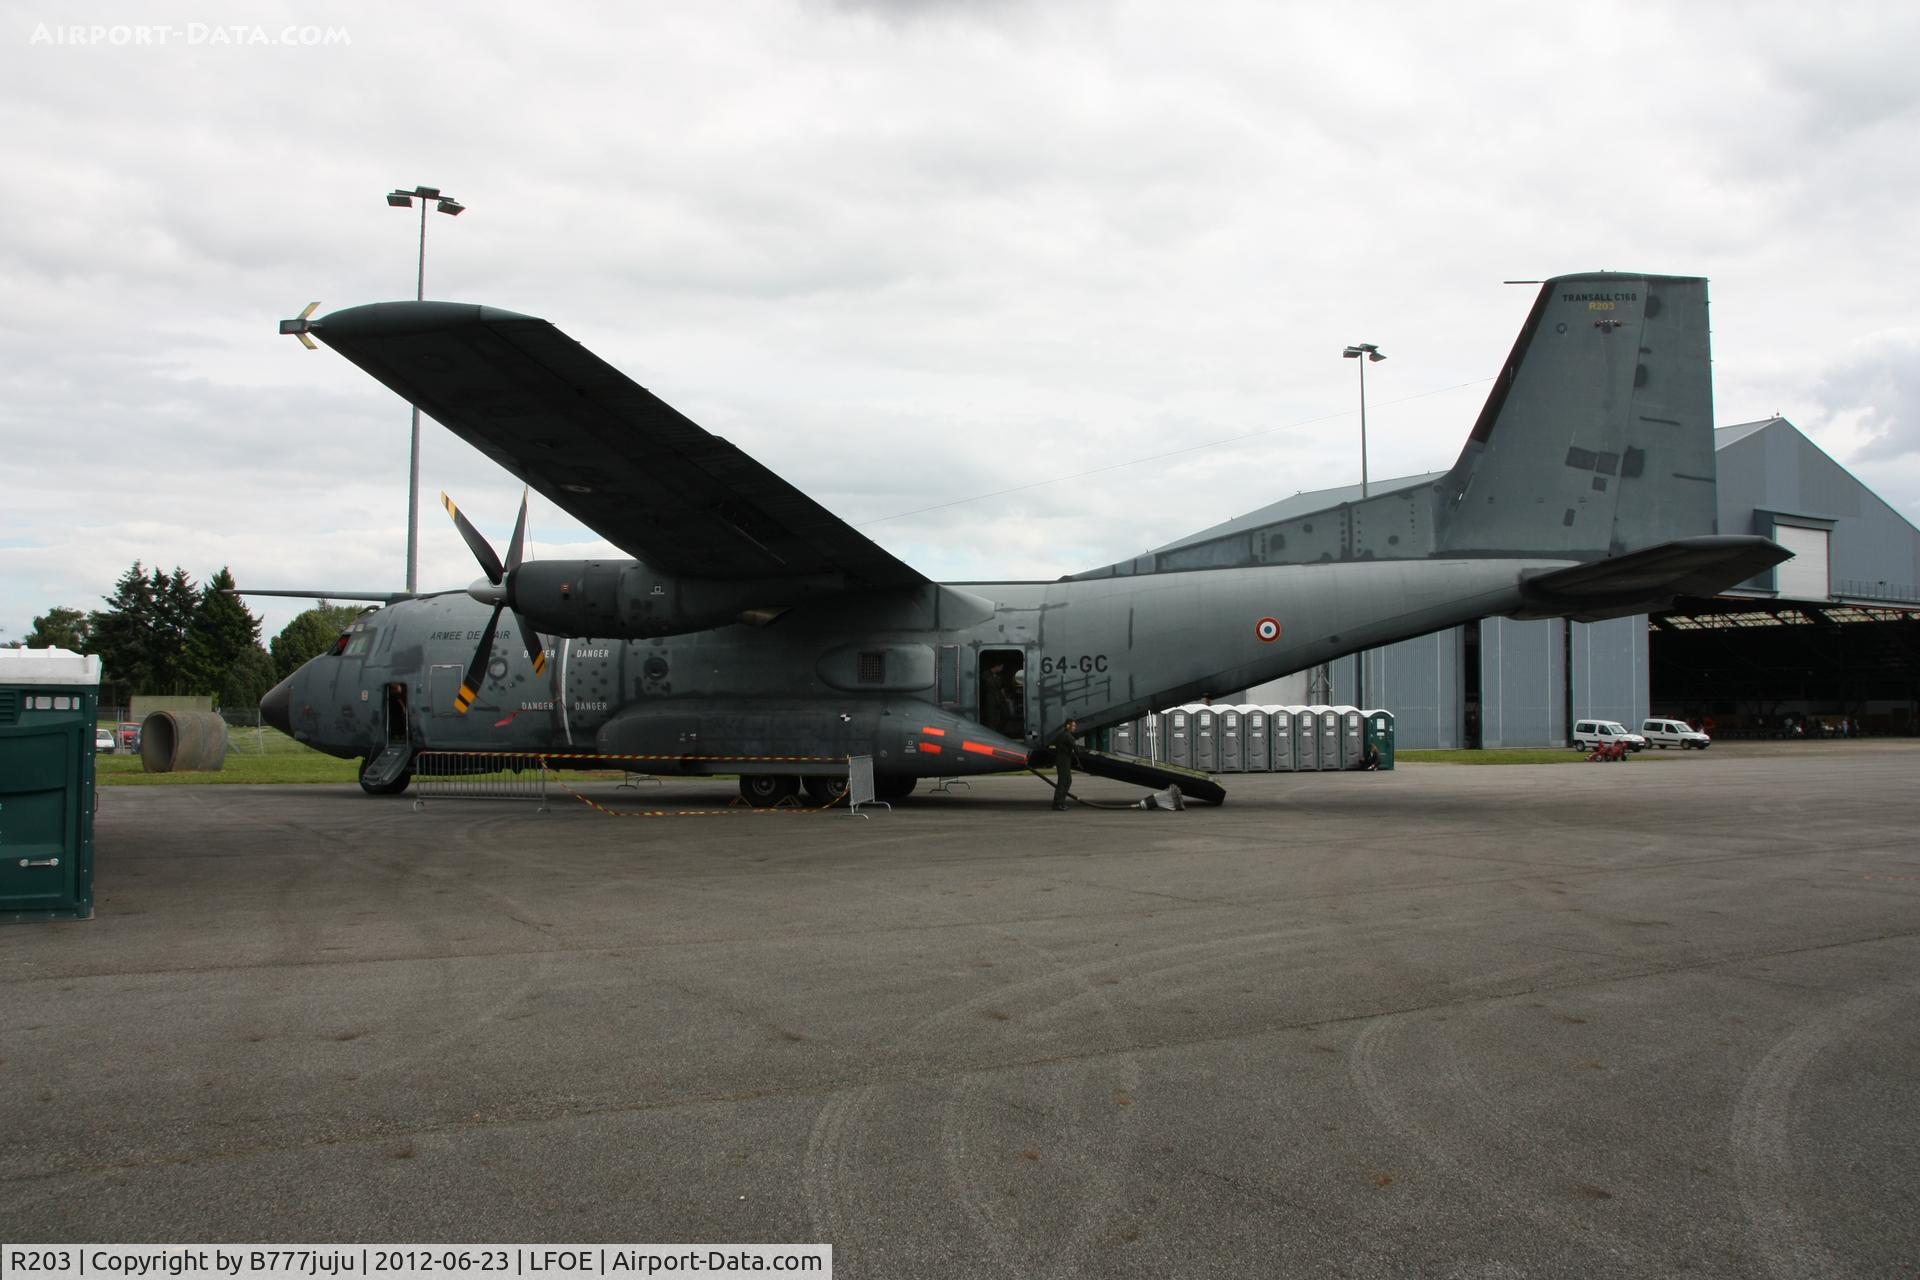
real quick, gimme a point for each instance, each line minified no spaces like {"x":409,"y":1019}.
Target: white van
{"x":1588,"y":734}
{"x":1675,"y":733}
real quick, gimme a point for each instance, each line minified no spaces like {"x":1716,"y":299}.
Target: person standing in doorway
{"x":1064,"y":748}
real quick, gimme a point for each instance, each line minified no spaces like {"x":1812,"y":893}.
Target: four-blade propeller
{"x":497,"y":590}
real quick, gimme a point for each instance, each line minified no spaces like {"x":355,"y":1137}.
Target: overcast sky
{"x":906,"y":254}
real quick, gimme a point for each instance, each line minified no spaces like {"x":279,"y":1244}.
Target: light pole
{"x":1373,"y":356}
{"x":448,"y":205}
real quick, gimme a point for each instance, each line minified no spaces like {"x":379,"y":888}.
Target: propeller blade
{"x":302,"y":326}
{"x":476,"y":543}
{"x":477,"y":669}
{"x":536,"y":651}
{"x":496,"y":574}
{"x":519,"y":542}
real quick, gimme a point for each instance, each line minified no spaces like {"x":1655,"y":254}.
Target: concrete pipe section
{"x":183,"y":741}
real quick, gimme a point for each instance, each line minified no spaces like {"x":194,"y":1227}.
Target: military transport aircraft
{"x":756,"y":633}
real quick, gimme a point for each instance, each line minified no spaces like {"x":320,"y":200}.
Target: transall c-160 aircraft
{"x":754,"y":632}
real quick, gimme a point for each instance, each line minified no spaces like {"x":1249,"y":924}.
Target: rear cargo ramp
{"x":1193,"y":786}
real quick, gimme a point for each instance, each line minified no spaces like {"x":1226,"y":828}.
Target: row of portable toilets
{"x":1245,"y":738}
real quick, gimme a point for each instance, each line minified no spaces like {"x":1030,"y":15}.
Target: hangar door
{"x":1805,"y":576}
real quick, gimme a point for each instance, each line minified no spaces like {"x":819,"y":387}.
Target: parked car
{"x":1674,"y":733}
{"x":103,"y":739}
{"x":1588,"y":734}
{"x":129,"y":734}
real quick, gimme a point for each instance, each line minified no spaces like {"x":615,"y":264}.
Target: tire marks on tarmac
{"x":1785,"y":1234}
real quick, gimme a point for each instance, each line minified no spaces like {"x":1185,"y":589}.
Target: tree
{"x":120,"y":637}
{"x":248,"y":679}
{"x":61,"y":628}
{"x":174,"y":601}
{"x":219,"y":634}
{"x":141,"y":635}
{"x":310,"y":634}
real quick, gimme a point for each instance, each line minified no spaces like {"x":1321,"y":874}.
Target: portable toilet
{"x":1329,"y":738}
{"x":1254,"y":731}
{"x":1229,"y":740}
{"x":1380,"y":735}
{"x":1280,"y":738}
{"x":1206,"y":739}
{"x":48,"y":702}
{"x":1177,"y":726}
{"x":1352,"y":736}
{"x":1122,"y":736}
{"x":1306,"y":739}
{"x":1332,"y":744}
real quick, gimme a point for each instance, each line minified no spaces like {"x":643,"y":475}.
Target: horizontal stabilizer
{"x":1646,"y":581}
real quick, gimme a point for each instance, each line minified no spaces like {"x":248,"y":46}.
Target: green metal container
{"x":48,"y":700}
{"x":1379,"y":733}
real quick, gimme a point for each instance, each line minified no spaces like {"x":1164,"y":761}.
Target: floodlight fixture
{"x":400,"y":199}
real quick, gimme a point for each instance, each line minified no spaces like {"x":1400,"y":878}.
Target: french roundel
{"x":1268,"y":629}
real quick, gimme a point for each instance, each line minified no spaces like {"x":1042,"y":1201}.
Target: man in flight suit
{"x":1063,"y":750}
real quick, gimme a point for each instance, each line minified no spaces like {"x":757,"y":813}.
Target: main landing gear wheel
{"x":765,"y":790}
{"x":825,"y":791}
{"x":893,"y":786}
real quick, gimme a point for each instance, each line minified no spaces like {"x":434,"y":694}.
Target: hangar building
{"x":1830,"y":635}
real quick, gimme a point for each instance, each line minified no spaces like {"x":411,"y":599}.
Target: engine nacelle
{"x":630,"y":599}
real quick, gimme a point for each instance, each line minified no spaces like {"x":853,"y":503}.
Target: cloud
{"x":1877,"y":393}
{"x":905,"y":254}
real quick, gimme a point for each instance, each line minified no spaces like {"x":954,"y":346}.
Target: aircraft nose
{"x":276,"y":706}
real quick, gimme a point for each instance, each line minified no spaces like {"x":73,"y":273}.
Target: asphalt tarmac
{"x":1657,"y":1018}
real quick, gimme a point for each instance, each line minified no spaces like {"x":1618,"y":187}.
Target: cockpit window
{"x":353,"y":644}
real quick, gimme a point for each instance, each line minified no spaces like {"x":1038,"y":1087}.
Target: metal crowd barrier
{"x":860,"y":785}
{"x":473,"y":775}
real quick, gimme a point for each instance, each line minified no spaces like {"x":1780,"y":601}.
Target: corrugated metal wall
{"x":1419,"y":681}
{"x":1610,"y":670}
{"x":1523,"y":683}
{"x":1771,"y":468}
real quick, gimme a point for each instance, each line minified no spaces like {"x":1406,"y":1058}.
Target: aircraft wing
{"x":1649,"y":579}
{"x":600,"y":446}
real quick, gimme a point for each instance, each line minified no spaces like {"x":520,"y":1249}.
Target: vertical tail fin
{"x":1596,"y":441}
{"x":1597,"y":438}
